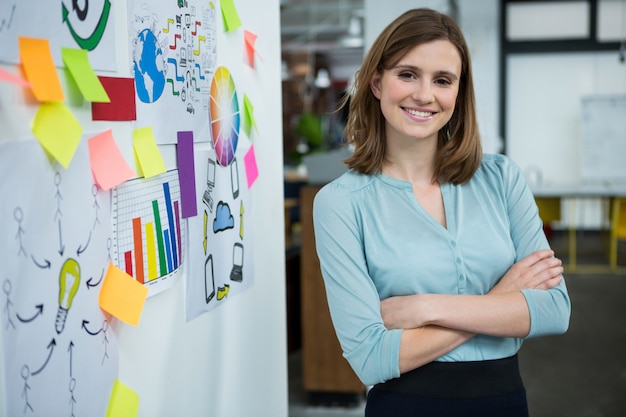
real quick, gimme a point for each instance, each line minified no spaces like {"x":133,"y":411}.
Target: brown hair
{"x":459,"y":150}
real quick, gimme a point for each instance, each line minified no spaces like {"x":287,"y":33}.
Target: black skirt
{"x":452,"y":389}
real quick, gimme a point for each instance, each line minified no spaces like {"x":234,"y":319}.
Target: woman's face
{"x":417,"y":96}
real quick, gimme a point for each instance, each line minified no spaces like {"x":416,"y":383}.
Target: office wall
{"x":230,"y":361}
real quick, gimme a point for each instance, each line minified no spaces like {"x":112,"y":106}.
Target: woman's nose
{"x":423,"y":92}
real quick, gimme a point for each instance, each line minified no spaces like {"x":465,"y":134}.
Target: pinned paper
{"x":186,"y":174}
{"x":230,"y":15}
{"x":252,"y":172}
{"x":58,"y":131}
{"x":249,"y":41}
{"x":107,"y":163}
{"x":121,"y":92}
{"x":122,"y":296}
{"x":123,"y":402}
{"x":248,"y":116}
{"x":40,"y":70}
{"x":77,"y":62}
{"x":7,"y":77}
{"x":149,"y":159}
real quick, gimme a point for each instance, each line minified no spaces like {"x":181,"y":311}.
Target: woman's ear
{"x":375,"y":85}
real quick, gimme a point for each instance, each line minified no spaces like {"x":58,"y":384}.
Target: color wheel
{"x":224,"y":116}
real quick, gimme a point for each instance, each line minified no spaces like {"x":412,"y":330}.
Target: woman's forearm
{"x":423,"y":345}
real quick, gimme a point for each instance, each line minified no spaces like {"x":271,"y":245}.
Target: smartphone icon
{"x":234,"y":178}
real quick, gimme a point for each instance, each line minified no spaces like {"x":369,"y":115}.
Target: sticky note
{"x":57,"y":130}
{"x":122,"y":296}
{"x":123,"y":402}
{"x":7,"y":77}
{"x":252,"y":172}
{"x":248,"y":116}
{"x":77,"y":62}
{"x":149,"y":159}
{"x":230,"y":15}
{"x":108,"y":166}
{"x":186,"y":174}
{"x":249,"y":41}
{"x":122,"y":106}
{"x":39,"y":68}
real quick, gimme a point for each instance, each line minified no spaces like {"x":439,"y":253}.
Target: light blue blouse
{"x":375,"y":241}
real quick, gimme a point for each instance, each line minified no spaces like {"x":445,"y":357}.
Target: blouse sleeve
{"x":549,"y":309}
{"x":371,"y":350}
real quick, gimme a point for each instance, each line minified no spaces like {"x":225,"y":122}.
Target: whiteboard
{"x":603,"y":138}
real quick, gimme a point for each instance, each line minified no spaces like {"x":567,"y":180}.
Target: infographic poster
{"x":85,"y":25}
{"x":60,"y":349}
{"x":148,"y":231}
{"x":220,"y":236}
{"x":173,"y":48}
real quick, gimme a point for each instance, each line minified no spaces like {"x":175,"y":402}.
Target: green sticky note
{"x":57,"y":130}
{"x":123,"y":402}
{"x":230,"y":15}
{"x":77,"y":63}
{"x":149,"y":159}
{"x":248,"y":116}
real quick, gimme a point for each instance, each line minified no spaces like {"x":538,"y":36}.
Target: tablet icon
{"x":210,"y":183}
{"x":209,"y":279}
{"x":236,"y":274}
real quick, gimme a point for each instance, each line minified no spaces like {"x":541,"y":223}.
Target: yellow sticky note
{"x":122,"y":296}
{"x":123,"y":402}
{"x":77,"y":62}
{"x":248,"y":116}
{"x":149,"y":158}
{"x":58,"y":131}
{"x":230,"y":15}
{"x":40,"y":70}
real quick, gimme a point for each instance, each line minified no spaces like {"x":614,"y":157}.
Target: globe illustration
{"x":148,"y":67}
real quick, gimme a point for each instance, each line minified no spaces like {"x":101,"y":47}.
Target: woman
{"x":433,"y":255}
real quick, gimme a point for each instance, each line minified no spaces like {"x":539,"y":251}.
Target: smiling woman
{"x":434,"y":259}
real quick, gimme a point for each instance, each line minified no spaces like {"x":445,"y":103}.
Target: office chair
{"x":618,"y":228}
{"x":549,"y":211}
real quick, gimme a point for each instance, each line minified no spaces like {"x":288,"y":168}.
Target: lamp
{"x":322,"y":80}
{"x":69,"y":279}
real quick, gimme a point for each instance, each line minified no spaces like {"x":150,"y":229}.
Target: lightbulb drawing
{"x":69,"y":279}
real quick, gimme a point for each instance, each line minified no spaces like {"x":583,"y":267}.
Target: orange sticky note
{"x":107,"y":163}
{"x":58,"y":131}
{"x":122,"y":296}
{"x":149,"y":158}
{"x":252,"y":171}
{"x":40,"y":70}
{"x":123,"y":402}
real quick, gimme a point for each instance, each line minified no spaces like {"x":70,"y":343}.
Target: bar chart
{"x":148,"y":231}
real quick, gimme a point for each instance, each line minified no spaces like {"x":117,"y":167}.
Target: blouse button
{"x":458,"y":260}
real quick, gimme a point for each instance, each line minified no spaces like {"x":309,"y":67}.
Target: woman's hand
{"x":539,"y":270}
{"x":401,"y":312}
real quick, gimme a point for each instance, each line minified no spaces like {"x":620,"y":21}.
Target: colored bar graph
{"x":149,"y":234}
{"x":137,"y":238}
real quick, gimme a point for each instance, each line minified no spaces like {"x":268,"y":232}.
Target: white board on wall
{"x":603,"y":138}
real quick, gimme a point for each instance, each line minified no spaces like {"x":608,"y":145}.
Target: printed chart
{"x":225,"y":116}
{"x":148,"y":230}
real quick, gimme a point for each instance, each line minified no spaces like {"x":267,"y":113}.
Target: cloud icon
{"x":223,"y":219}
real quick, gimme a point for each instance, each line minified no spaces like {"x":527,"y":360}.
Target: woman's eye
{"x":406,"y":75}
{"x":443,"y":81}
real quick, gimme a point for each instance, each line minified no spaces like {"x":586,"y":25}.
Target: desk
{"x":582,"y":191}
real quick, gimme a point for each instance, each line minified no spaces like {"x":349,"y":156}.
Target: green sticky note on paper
{"x":77,"y":63}
{"x":230,"y":15}
{"x":57,"y":130}
{"x":123,"y":402}
{"x":149,"y":159}
{"x":248,"y":116}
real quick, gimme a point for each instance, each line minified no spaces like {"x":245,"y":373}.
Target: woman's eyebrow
{"x":405,"y":67}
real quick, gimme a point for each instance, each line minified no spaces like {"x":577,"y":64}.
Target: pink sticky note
{"x":6,"y":76}
{"x":107,"y":163}
{"x":252,"y":172}
{"x":249,"y":40}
